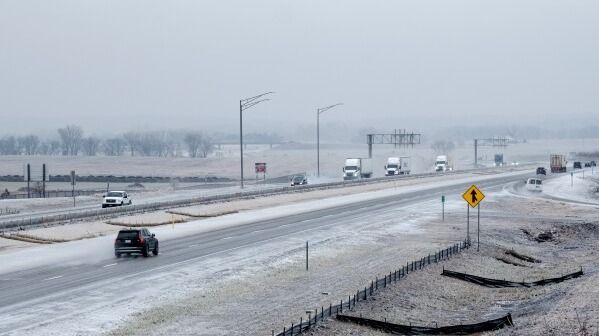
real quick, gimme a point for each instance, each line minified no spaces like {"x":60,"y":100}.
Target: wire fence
{"x":376,"y":284}
{"x":9,"y":211}
{"x":51,"y":194}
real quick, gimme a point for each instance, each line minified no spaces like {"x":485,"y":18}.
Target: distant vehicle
{"x":498,"y":160}
{"x":587,"y":165}
{"x":299,"y":180}
{"x":534,"y":184}
{"x":442,"y":164}
{"x":397,"y":166}
{"x":558,"y":163}
{"x":116,"y":198}
{"x":541,"y":171}
{"x":140,"y":241}
{"x":593,"y":164}
{"x":357,"y":168}
{"x":577,"y":165}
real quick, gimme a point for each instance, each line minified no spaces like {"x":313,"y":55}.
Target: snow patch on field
{"x":576,"y":188}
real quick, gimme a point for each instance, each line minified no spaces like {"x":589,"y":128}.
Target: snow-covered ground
{"x":257,"y":287}
{"x":574,"y":187}
{"x":284,"y":160}
{"x":124,"y":307}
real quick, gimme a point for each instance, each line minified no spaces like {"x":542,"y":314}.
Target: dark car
{"x":587,"y":165}
{"x":139,"y":241}
{"x":577,"y":165}
{"x":299,"y":180}
{"x":541,"y":171}
{"x":593,"y":164}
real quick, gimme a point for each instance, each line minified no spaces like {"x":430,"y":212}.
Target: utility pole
{"x":245,"y":104}
{"x":320,"y":111}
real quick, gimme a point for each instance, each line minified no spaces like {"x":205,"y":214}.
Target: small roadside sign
{"x":473,"y":196}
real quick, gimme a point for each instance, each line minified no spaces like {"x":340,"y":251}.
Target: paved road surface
{"x":26,"y":289}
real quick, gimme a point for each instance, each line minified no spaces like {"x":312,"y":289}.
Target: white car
{"x":115,"y":198}
{"x":534,"y":184}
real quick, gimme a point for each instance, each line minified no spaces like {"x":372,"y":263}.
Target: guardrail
{"x":162,"y":205}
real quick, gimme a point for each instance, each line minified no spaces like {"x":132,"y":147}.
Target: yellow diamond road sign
{"x":473,"y":196}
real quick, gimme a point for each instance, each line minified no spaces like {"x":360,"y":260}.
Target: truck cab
{"x":357,"y":168}
{"x":397,"y":166}
{"x":442,"y":164}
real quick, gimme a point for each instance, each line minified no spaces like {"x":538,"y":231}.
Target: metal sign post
{"x":306,"y":255}
{"x":28,"y":180}
{"x":443,"y":207}
{"x":571,"y":179}
{"x":468,"y":225}
{"x":44,"y":175}
{"x":473,"y":196}
{"x":73,"y":181}
{"x":478,"y":229}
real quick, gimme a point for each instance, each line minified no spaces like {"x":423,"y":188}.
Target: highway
{"x":26,"y":289}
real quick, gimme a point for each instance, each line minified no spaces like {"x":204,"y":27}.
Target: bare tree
{"x":28,"y":144}
{"x":70,"y":137}
{"x":51,"y":147}
{"x":114,"y":147}
{"x":207,"y":146}
{"x":132,"y":139}
{"x":90,"y":145}
{"x":8,"y":146}
{"x":442,"y":147}
{"x":193,"y":140}
{"x":54,"y":147}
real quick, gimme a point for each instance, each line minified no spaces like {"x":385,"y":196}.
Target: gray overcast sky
{"x":120,"y":65}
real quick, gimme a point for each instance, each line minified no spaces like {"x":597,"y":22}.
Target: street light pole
{"x":241,"y":138}
{"x":319,"y":111}
{"x":245,"y":104}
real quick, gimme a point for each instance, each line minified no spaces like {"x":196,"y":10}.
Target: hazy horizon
{"x":115,"y":66}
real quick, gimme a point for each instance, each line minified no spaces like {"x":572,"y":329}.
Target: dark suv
{"x":299,"y":180}
{"x":541,"y":171}
{"x":135,"y":241}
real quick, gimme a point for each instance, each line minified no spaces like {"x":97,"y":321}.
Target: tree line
{"x":71,"y":141}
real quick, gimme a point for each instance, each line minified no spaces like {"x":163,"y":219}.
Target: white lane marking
{"x":257,"y":231}
{"x":227,"y":238}
{"x":109,"y":265}
{"x":194,"y":245}
{"x":52,"y":278}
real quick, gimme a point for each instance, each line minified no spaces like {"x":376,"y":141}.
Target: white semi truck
{"x":442,"y":164}
{"x":397,"y":166}
{"x":357,"y":168}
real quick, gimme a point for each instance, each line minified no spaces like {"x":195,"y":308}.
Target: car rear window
{"x":128,"y":234}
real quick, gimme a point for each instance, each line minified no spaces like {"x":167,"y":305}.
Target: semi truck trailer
{"x":356,"y":168}
{"x":397,"y":166}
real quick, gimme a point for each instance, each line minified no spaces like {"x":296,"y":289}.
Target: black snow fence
{"x":400,"y":329}
{"x":494,"y":283}
{"x":522,"y":256}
